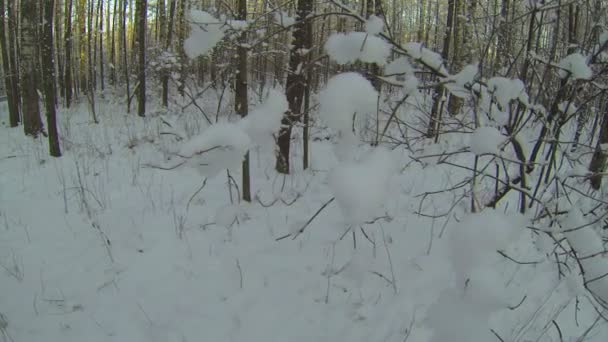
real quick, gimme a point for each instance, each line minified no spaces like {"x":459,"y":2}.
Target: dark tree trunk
{"x":32,"y":122}
{"x":240,"y":86}
{"x":296,"y":83}
{"x":165,"y":73}
{"x":48,"y":74}
{"x":13,"y":59}
{"x":68,"y":53}
{"x":13,"y":107}
{"x":142,"y":11}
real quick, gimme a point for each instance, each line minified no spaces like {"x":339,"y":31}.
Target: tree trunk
{"x":125,"y":53}
{"x":142,"y":11}
{"x":68,"y":53}
{"x":458,"y":62}
{"x":48,"y":74}
{"x":100,"y":35}
{"x":13,"y":47}
{"x":13,"y":107}
{"x":165,"y":73}
{"x":240,"y":94}
{"x":113,"y":45}
{"x":32,"y":122}
{"x":296,"y":83}
{"x":433,"y":128}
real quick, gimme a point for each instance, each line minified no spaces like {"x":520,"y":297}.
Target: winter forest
{"x":303,"y":170}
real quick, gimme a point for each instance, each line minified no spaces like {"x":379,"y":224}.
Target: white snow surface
{"x":486,"y":140}
{"x":349,"y":47}
{"x":575,"y":66}
{"x":399,"y":65}
{"x":101,"y":246}
{"x":361,"y":187}
{"x":219,"y":147}
{"x":206,"y":31}
{"x":456,"y":83}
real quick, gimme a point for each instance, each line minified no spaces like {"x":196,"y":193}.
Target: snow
{"x":398,"y":66}
{"x":361,"y":187}
{"x":206,"y":31}
{"x":575,"y":66}
{"x":456,"y":83}
{"x":282,"y":18}
{"x":265,"y":120}
{"x":100,"y":245}
{"x":603,"y":38}
{"x":221,"y":146}
{"x":374,"y":25}
{"x":505,"y":90}
{"x":486,"y":140}
{"x":431,"y":58}
{"x":349,"y":47}
{"x":345,"y":102}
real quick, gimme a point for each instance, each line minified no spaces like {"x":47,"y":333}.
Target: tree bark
{"x":48,"y":74}
{"x":32,"y":123}
{"x":68,"y":53}
{"x":13,"y":48}
{"x":240,"y":94}
{"x":13,"y":107}
{"x":296,"y":83}
{"x":142,"y":11}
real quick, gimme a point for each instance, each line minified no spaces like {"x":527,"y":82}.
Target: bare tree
{"x":142,"y":14}
{"x":9,"y":79}
{"x":240,"y":94}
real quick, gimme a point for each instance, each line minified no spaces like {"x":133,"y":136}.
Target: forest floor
{"x":101,"y":245}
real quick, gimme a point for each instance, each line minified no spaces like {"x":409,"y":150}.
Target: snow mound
{"x":474,"y":242}
{"x":349,"y":47}
{"x":374,"y":25}
{"x":361,"y":187}
{"x":504,"y":90}
{"x":456,"y":83}
{"x":486,"y":140}
{"x":205,"y":33}
{"x":345,"y":103}
{"x":282,"y":18}
{"x":398,"y":66}
{"x":221,"y":146}
{"x":575,"y":66}
{"x":265,"y":120}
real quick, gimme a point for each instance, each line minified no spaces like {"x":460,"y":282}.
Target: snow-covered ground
{"x":102,"y":245}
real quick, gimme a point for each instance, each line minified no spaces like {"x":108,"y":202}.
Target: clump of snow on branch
{"x":426,"y":56}
{"x":219,"y":147}
{"x":575,"y":66}
{"x":349,"y":47}
{"x":603,"y":38}
{"x":265,"y":120}
{"x":282,"y":18}
{"x":505,"y":90}
{"x":206,"y":31}
{"x":361,"y":187}
{"x":590,"y":251}
{"x":456,"y":83}
{"x":474,"y":242}
{"x":346,"y":102}
{"x":399,"y":66}
{"x":374,"y":25}
{"x":486,"y":140}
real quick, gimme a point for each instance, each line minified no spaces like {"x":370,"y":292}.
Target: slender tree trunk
{"x":68,"y":53}
{"x":142,"y":11}
{"x":455,"y":102}
{"x":165,"y":73}
{"x":433,"y":128}
{"x":32,"y":122}
{"x":296,"y":83}
{"x":240,"y":86}
{"x":100,"y":35}
{"x":13,"y":47}
{"x":13,"y":108}
{"x":48,"y":73}
{"x":113,"y":45}
{"x":125,"y":53}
